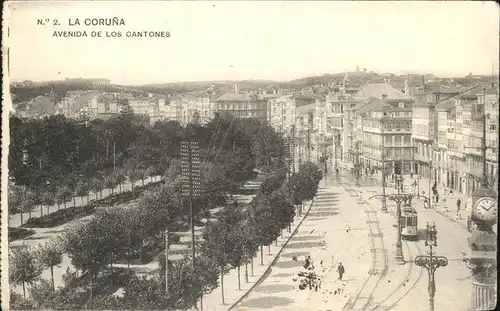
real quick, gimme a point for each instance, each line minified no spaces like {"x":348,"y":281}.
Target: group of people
{"x":309,"y":265}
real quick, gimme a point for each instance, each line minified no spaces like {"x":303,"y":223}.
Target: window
{"x":407,"y":126}
{"x":396,"y":114}
{"x":492,"y":125}
{"x":389,"y":125}
{"x":407,"y":139}
{"x":388,"y":140}
{"x":398,"y":126}
{"x":397,"y":140}
{"x":397,"y":151}
{"x":451,"y":144}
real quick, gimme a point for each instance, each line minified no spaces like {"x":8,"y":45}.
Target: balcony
{"x":398,"y":158}
{"x":421,"y":158}
{"x":476,"y":171}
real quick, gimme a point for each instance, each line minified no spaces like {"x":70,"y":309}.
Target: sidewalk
{"x":232,"y":295}
{"x":447,"y":205}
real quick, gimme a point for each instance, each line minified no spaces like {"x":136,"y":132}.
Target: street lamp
{"x":430,"y":181}
{"x":399,"y":198}
{"x":431,"y":262}
{"x":384,"y":199}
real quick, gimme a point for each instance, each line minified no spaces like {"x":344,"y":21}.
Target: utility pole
{"x":190,"y":176}
{"x":114,"y":156}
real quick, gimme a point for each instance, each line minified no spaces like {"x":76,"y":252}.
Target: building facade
{"x":242,"y":105}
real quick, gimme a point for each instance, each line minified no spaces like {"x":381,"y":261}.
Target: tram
{"x":409,"y":223}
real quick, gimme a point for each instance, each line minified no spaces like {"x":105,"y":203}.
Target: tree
{"x":273,"y":182}
{"x":141,"y":293}
{"x":23,"y":267}
{"x":120,"y":178}
{"x":48,"y":199}
{"x":63,"y":195}
{"x":92,"y":246}
{"x":281,"y":206}
{"x":306,"y":181}
{"x":151,"y":171}
{"x":110,"y":182}
{"x":27,"y":204}
{"x":220,"y":245}
{"x":97,"y":185}
{"x":50,"y":255}
{"x":266,"y":228}
{"x":42,"y":294}
{"x":82,"y":189}
{"x":245,"y":246}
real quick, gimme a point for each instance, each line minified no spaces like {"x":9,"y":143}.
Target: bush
{"x":19,"y":233}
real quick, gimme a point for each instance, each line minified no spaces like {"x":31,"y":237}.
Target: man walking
{"x":340,"y":270}
{"x":459,"y":203}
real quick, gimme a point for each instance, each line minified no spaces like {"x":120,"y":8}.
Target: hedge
{"x":19,"y":233}
{"x":63,"y":216}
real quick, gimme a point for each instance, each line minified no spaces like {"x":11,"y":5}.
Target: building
{"x":384,"y":130}
{"x":282,"y":111}
{"x":472,"y":107}
{"x":423,"y":123}
{"x":242,"y":104}
{"x":453,"y":128}
{"x":371,"y":102}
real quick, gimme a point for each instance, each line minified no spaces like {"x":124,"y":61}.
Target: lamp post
{"x":430,"y":181}
{"x":384,"y":199}
{"x":431,"y":262}
{"x":399,"y":198}
{"x":357,"y":169}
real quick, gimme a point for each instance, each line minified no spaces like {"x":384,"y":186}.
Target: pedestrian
{"x":425,"y":203}
{"x":340,"y":270}
{"x":411,"y":175}
{"x":459,"y":202}
{"x":308,"y":262}
{"x":437,"y":197}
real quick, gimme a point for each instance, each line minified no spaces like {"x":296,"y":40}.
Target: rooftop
{"x":446,"y":104}
{"x":234,"y":97}
{"x":378,"y":90}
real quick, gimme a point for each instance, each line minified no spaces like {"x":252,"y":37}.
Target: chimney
{"x":384,"y":96}
{"x":407,"y":89}
{"x":236,"y":88}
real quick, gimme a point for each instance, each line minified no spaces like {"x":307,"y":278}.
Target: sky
{"x":251,"y":40}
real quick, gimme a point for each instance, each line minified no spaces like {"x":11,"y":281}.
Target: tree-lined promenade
{"x":230,"y":150}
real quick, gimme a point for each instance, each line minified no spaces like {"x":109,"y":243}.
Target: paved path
{"x":410,"y":293}
{"x":15,"y":220}
{"x":325,"y":235}
{"x":372,"y":281}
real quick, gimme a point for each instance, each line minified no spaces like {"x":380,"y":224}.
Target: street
{"x":372,"y":280}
